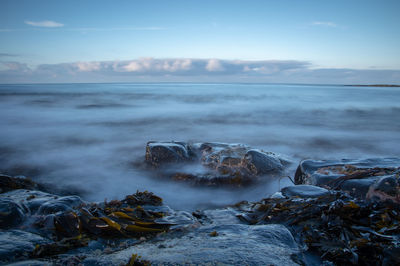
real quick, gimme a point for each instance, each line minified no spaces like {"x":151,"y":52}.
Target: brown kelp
{"x":337,"y":227}
{"x":115,"y":219}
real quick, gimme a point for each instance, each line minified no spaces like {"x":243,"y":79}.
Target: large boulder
{"x":356,"y":177}
{"x":231,"y":244}
{"x":212,"y":163}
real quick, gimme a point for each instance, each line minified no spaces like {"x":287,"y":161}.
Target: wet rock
{"x":31,"y":263}
{"x":11,"y":213}
{"x":61,"y":204}
{"x":162,"y":153}
{"x":338,"y":228}
{"x":32,"y":199}
{"x":234,"y":244}
{"x":8,"y":183}
{"x":304,"y":191}
{"x":143,"y":198}
{"x":352,"y":176}
{"x":261,"y":163}
{"x":17,"y":244}
{"x":387,"y":188}
{"x":212,"y":164}
{"x":67,"y":224}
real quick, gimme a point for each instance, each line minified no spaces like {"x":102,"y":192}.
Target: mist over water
{"x":89,"y":137}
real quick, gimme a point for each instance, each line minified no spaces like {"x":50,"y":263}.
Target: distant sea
{"x":89,"y":137}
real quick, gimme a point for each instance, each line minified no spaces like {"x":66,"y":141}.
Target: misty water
{"x":90,"y":138}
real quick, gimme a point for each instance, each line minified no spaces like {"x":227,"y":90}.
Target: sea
{"x":90,"y":138}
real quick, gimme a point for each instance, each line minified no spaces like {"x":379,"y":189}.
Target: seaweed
{"x":111,"y":220}
{"x":337,"y":227}
{"x":136,"y":260}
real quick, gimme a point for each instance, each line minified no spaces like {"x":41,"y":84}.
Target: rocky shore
{"x":338,"y":212}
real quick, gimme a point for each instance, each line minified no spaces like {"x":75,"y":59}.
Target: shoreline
{"x":336,"y":213}
{"x":373,"y":85}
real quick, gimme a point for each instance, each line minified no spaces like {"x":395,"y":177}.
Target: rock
{"x":336,"y":227}
{"x":261,"y":163}
{"x":61,"y":204}
{"x":18,"y":245}
{"x":31,"y":263}
{"x":32,"y":199}
{"x":304,"y":191}
{"x":8,"y":183}
{"x":143,"y":198}
{"x":277,"y":195}
{"x":235,"y":244}
{"x":211,"y":163}
{"x":11,"y":213}
{"x":67,"y":224}
{"x":352,"y":176}
{"x":162,"y":153}
{"x":387,"y":188}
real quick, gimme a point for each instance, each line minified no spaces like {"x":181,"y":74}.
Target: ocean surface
{"x":89,"y":138}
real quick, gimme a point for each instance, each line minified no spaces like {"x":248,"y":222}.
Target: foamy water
{"x":87,"y":137}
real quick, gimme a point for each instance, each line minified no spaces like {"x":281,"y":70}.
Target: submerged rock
{"x":355,"y":177}
{"x":212,"y":164}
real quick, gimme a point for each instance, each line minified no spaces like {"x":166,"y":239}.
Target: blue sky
{"x":251,"y":41}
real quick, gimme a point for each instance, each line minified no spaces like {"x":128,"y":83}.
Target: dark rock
{"x":335,"y":226}
{"x":8,"y":183}
{"x":32,"y":199}
{"x":352,"y":176}
{"x":61,"y":204}
{"x":304,"y":191}
{"x":387,"y":188}
{"x":11,"y":213}
{"x":262,"y":163}
{"x":143,"y":198}
{"x":18,"y":245}
{"x":67,"y":224}
{"x":211,"y":163}
{"x":162,"y":153}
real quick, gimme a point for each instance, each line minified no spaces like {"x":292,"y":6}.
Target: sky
{"x":297,"y":41}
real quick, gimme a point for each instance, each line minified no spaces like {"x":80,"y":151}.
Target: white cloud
{"x":133,"y":67}
{"x":45,"y":23}
{"x":324,"y":23}
{"x":158,"y":65}
{"x":192,"y":70}
{"x":214,"y":65}
{"x":88,"y":66}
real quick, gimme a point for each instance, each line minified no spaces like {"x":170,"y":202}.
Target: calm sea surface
{"x":86,"y":137}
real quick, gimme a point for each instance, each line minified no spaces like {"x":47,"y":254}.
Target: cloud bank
{"x":45,"y":23}
{"x":191,"y":70}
